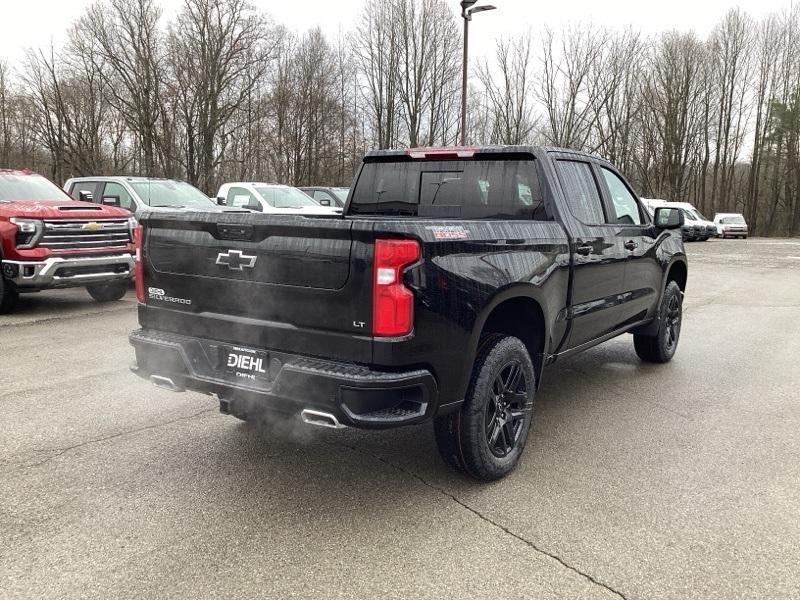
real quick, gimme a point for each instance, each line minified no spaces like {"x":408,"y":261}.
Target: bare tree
{"x":216,"y":49}
{"x":125,"y":42}
{"x":376,"y":45}
{"x":564,"y":84}
{"x":506,"y":85}
{"x":729,"y":51}
{"x":5,"y":115}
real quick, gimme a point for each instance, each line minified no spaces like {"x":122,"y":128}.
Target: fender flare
{"x":651,"y":328}
{"x":517,"y":290}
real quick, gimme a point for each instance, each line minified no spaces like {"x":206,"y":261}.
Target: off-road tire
{"x":660,"y":348}
{"x":491,"y":409}
{"x":108,"y":292}
{"x":8,"y":296}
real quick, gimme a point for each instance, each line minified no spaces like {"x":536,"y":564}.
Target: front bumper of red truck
{"x":68,"y":271}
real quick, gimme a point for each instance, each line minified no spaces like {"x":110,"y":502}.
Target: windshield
{"x":173,"y":194}
{"x":341,"y":194}
{"x":688,"y":214}
{"x":734,"y":220}
{"x":698,"y":216}
{"x":285,"y":197}
{"x":28,"y":187}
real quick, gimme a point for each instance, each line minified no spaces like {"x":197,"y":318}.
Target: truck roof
{"x":132,"y":178}
{"x":470,"y":151}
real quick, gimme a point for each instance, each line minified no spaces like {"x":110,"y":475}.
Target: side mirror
{"x":325,"y":202}
{"x":85,"y":196}
{"x":668,"y":218}
{"x":221,"y":200}
{"x":253,"y":205}
{"x":111,"y":201}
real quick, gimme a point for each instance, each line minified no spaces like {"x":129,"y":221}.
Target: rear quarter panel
{"x":460,"y":280}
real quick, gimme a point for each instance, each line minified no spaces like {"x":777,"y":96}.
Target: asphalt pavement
{"x":639,"y":481}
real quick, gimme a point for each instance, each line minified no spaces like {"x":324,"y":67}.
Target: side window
{"x":580,"y":189}
{"x":240,"y":198}
{"x":625,"y":207}
{"x":115,"y":189}
{"x":320,"y":195}
{"x":86,"y":190}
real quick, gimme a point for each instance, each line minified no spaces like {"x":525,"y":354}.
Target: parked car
{"x":692,"y":230}
{"x":271,"y":198}
{"x":731,"y":225}
{"x":454,"y":278}
{"x":706,"y":228}
{"x":48,"y":240}
{"x":328,"y":196}
{"x":139,"y":193}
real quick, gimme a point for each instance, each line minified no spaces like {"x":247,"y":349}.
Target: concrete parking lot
{"x":639,"y":481}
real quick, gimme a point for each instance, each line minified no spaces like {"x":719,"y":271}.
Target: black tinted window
{"x":479,"y":189}
{"x":580,"y":188}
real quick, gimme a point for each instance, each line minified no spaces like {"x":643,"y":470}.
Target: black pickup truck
{"x":452,"y":278}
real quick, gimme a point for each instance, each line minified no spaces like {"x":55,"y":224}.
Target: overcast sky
{"x":35,"y":22}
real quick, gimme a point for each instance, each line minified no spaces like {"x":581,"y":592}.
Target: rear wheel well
{"x":677,"y":273}
{"x":523,"y":318}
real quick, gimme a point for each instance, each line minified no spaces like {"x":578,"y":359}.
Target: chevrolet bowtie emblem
{"x":235,"y":260}
{"x":91,"y":226}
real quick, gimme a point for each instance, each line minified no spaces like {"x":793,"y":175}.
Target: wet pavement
{"x":639,"y":481}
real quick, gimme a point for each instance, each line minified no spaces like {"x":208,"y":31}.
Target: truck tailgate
{"x":294,"y":284}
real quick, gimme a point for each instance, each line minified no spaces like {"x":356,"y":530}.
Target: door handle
{"x":631,"y":245}
{"x":584,"y":250}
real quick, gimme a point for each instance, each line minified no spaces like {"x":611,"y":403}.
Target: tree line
{"x":221,"y":92}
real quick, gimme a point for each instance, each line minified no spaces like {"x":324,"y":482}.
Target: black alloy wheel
{"x":661,"y":347}
{"x":486,"y":437}
{"x":672,"y":322}
{"x":505,"y":410}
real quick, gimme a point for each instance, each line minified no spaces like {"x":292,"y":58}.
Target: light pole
{"x":468,"y":8}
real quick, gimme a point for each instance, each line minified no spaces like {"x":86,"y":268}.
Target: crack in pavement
{"x":68,"y":317}
{"x":15,"y":394}
{"x":483,"y":517}
{"x":61,"y":451}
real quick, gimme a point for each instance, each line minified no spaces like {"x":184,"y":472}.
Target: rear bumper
{"x":62,"y":271}
{"x":356,"y":395}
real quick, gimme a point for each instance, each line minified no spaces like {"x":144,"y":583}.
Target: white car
{"x":731,"y":225}
{"x":271,"y":198}
{"x":709,"y":228}
{"x":696,"y":226}
{"x":139,"y":193}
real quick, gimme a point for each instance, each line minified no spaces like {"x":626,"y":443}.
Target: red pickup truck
{"x":48,"y":240}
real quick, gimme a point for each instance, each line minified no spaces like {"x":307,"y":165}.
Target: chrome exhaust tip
{"x":320,"y":419}
{"x":166,"y":383}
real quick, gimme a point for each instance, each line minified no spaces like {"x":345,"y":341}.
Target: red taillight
{"x":392,"y":302}
{"x":138,"y":269}
{"x":452,"y":152}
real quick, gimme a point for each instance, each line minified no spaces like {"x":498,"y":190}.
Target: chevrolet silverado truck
{"x":452,"y":279}
{"x":48,"y":240}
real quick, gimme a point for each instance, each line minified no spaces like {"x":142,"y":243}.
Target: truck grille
{"x":85,"y":234}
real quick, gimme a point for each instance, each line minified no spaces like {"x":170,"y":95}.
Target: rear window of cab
{"x":466,"y":189}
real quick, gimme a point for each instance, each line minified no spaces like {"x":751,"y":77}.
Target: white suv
{"x":271,"y":198}
{"x":709,"y":228}
{"x":731,"y":225}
